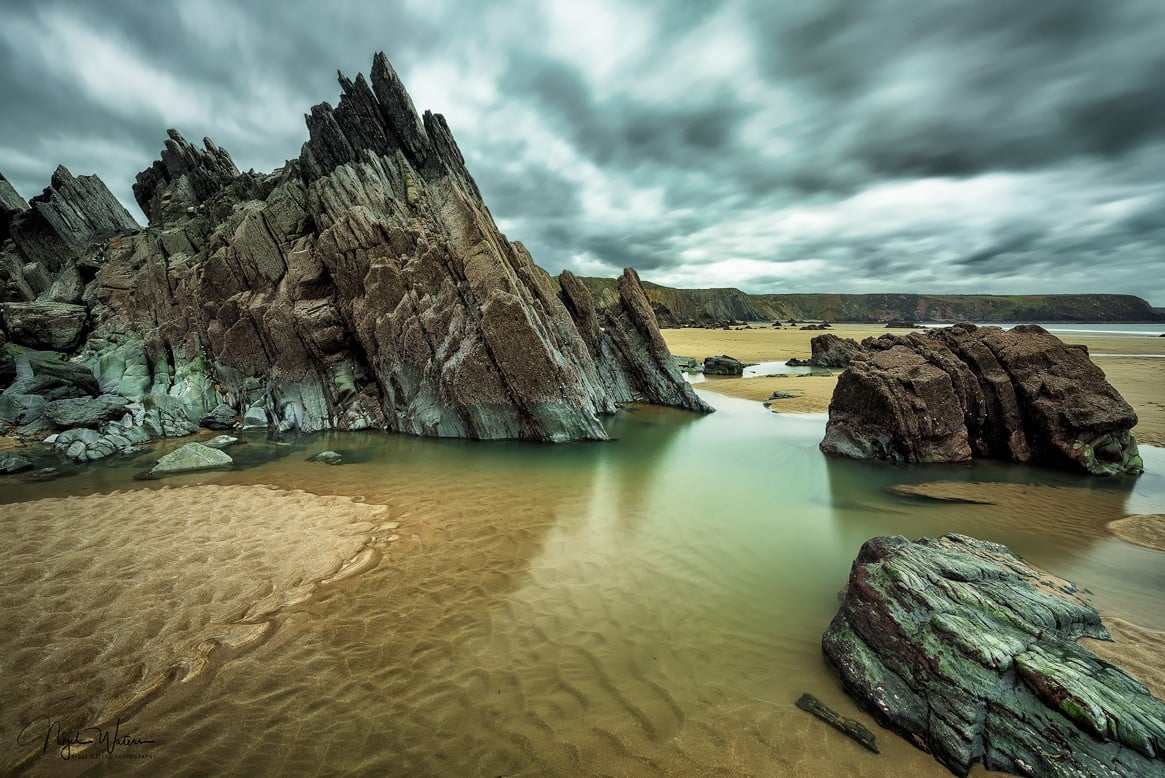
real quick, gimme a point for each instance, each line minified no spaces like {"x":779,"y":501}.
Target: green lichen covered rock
{"x":971,"y":654}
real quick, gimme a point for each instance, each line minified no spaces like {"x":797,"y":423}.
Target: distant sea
{"x":1091,"y":328}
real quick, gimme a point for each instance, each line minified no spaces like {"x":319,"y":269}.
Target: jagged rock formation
{"x":829,"y":351}
{"x":363,"y":285}
{"x":52,"y":257}
{"x":951,"y":394}
{"x":972,"y":655}
{"x":183,"y":179}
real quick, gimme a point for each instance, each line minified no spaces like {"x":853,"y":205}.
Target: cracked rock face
{"x":971,"y":654}
{"x":363,"y":285}
{"x":948,"y":395}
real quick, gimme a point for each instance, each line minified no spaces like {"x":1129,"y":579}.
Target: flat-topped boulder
{"x":191,"y":458}
{"x":953,"y":394}
{"x":829,"y":350}
{"x":45,"y":325}
{"x":971,"y":654}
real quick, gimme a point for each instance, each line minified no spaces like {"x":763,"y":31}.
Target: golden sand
{"x":1147,"y":531}
{"x":144,"y":588}
{"x":1139,"y":380}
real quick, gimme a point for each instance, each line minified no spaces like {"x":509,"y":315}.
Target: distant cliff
{"x":677,"y":306}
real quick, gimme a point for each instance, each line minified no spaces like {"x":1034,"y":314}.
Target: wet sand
{"x":146,"y":589}
{"x":1139,"y":380}
{"x":1147,"y":531}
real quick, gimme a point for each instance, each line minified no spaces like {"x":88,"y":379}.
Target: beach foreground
{"x":1136,"y":375}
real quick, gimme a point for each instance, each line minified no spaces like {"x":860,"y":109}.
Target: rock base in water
{"x":191,"y":458}
{"x":972,"y":655}
{"x":950,"y":395}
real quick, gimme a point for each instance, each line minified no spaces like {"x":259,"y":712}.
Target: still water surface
{"x":651,"y":605}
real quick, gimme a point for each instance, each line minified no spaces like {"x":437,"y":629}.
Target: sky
{"x":941,"y":146}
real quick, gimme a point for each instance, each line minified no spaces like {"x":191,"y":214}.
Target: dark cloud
{"x":825,"y":145}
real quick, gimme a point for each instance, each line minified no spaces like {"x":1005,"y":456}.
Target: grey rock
{"x":7,"y":367}
{"x":14,"y":463}
{"x":222,"y":441}
{"x":45,"y":374}
{"x":191,"y":457}
{"x":18,"y":409}
{"x":85,"y":411}
{"x":184,"y":178}
{"x":71,"y":214}
{"x":972,"y":655}
{"x":327,"y":457}
{"x":45,"y":325}
{"x":723,"y":365}
{"x":221,"y":418}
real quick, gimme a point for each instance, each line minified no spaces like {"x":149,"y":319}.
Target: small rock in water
{"x":848,"y":727}
{"x":190,"y":458}
{"x":327,"y":457}
{"x":14,"y":463}
{"x":222,"y":441}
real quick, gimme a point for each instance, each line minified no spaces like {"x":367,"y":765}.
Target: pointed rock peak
{"x":10,"y":199}
{"x":183,"y":178}
{"x":374,"y":114}
{"x":61,"y":178}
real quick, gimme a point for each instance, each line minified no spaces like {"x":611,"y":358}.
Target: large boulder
{"x":45,"y":325}
{"x":723,"y":364}
{"x":191,"y":457}
{"x":971,"y":654}
{"x":829,"y":351}
{"x":85,"y":411}
{"x":952,"y":394}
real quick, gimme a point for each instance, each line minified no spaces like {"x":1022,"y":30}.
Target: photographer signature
{"x":71,"y":743}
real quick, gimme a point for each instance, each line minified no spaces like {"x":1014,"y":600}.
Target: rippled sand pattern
{"x":108,"y":599}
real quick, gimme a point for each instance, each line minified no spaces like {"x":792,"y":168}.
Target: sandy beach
{"x":1138,"y":378}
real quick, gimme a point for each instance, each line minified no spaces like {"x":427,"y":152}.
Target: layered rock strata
{"x":971,"y":654}
{"x":948,"y":395}
{"x":362,"y":285}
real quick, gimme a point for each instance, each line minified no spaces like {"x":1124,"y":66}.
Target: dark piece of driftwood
{"x":807,"y":702}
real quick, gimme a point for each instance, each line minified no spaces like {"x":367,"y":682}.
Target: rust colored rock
{"x":948,"y":395}
{"x":829,"y":351}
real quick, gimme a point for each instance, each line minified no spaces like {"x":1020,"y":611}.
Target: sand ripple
{"x":109,"y":599}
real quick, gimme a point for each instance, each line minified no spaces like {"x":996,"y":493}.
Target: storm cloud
{"x":825,"y":145}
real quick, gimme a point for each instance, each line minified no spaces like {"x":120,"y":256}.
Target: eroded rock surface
{"x":949,"y":395}
{"x":971,"y":654}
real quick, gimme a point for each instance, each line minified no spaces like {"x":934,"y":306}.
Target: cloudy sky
{"x":965,"y":146}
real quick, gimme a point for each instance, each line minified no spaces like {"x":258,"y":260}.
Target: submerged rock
{"x":972,"y":655}
{"x":327,"y":457}
{"x":952,"y":394}
{"x":190,"y":458}
{"x":14,"y":463}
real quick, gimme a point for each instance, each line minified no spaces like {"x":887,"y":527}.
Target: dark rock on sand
{"x":971,"y":654}
{"x":951,"y":394}
{"x":191,"y":457}
{"x":723,"y":365}
{"x":829,"y":351}
{"x":896,"y":324}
